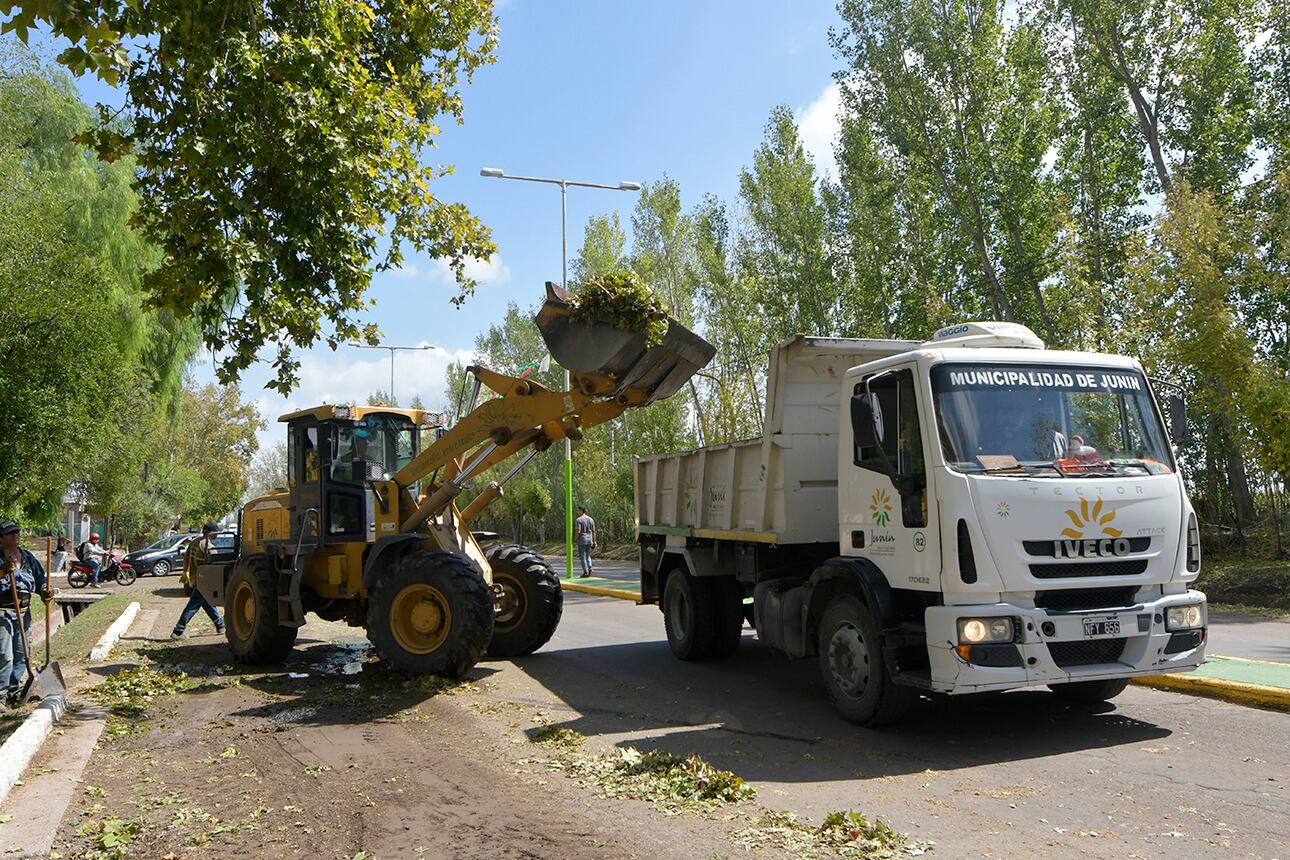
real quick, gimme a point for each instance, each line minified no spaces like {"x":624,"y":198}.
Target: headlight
{"x":976,"y":630}
{"x":1187,"y":617}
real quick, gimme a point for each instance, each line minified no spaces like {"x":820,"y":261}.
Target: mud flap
{"x":609,"y":360}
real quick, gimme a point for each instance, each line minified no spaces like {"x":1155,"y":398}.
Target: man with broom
{"x":22,"y":576}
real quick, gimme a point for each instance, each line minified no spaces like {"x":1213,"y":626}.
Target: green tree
{"x":783,"y":250}
{"x":278,"y":151}
{"x":604,"y":248}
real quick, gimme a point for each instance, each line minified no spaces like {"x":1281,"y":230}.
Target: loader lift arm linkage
{"x":525,"y":413}
{"x":611,"y":370}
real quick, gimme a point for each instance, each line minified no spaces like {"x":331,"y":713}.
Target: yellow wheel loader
{"x":367,"y":530}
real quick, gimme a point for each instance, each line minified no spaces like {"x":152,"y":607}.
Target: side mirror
{"x":865,"y":422}
{"x":1178,"y":428}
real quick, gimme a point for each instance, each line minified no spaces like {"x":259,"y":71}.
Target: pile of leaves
{"x":843,"y":834}
{"x":131,"y":691}
{"x":622,"y":300}
{"x":674,"y":783}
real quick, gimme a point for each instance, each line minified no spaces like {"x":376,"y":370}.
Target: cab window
{"x":901,"y":439}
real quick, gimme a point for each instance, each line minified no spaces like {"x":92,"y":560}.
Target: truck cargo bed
{"x":736,"y":490}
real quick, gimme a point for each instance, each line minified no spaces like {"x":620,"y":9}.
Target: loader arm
{"x":610,"y":370}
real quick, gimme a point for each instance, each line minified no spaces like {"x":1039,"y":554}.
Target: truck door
{"x":883,"y":491}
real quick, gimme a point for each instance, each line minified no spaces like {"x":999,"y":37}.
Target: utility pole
{"x":498,"y":173}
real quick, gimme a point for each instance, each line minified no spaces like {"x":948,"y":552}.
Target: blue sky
{"x":601,"y":91}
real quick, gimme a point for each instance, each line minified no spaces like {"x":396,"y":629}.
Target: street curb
{"x":21,"y":747}
{"x":103,"y":647}
{"x":599,"y":591}
{"x":1239,"y":692}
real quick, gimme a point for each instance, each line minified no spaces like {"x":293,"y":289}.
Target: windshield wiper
{"x":1020,"y":467}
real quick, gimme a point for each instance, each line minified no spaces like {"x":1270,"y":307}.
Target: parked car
{"x":164,"y":557}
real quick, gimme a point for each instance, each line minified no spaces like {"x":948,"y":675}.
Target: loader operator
{"x":27,"y":577}
{"x":198,"y":552}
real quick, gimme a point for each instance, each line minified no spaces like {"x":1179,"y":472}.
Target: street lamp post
{"x":498,"y":173}
{"x":392,"y":350}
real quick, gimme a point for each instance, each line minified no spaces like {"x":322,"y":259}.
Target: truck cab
{"x":1035,"y":493}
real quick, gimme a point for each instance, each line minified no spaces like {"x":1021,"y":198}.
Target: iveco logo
{"x":1104,"y":548}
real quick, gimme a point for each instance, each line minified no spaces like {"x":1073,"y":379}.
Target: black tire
{"x":527,"y":601}
{"x":688,"y":614}
{"x":161,"y":568}
{"x":851,"y":665}
{"x":727,"y":615}
{"x":78,"y":578}
{"x":430,"y":613}
{"x":251,"y":614}
{"x":1091,"y":692}
{"x":125,"y":576}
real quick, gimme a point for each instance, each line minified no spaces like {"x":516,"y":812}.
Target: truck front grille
{"x":1070,"y":570}
{"x":1087,"y":653}
{"x":1074,"y":599}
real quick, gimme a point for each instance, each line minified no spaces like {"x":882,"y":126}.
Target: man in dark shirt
{"x":199,"y":551}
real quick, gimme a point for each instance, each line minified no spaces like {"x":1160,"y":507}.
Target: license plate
{"x":1096,"y":628}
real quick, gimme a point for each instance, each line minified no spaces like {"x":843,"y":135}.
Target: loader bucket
{"x":612,"y":360}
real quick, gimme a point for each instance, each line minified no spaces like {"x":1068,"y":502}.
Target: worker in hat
{"x":198,"y":552}
{"x":28,"y":577}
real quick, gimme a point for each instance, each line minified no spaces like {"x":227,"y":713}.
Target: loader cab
{"x":333,"y":452}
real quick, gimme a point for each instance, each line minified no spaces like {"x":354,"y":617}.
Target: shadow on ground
{"x":768,"y":718}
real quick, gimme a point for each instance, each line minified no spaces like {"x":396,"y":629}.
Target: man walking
{"x":29,"y":577}
{"x":198,"y":552}
{"x":584,"y":535}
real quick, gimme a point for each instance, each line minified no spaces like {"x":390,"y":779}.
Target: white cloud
{"x":491,"y":272}
{"x":818,"y":126}
{"x":350,"y":374}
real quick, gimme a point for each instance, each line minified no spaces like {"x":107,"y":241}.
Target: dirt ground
{"x":332,"y":757}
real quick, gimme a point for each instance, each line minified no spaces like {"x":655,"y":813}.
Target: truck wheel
{"x":1090,"y":691}
{"x":430,"y":613}
{"x":688,"y":614}
{"x":527,"y":601}
{"x":728,"y":614}
{"x":851,"y":664}
{"x":251,"y":615}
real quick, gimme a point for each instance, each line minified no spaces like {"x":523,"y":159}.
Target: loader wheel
{"x":251,"y":615}
{"x":527,"y":601}
{"x":430,"y":613}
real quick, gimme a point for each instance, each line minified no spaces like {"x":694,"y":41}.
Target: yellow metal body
{"x":524,"y":413}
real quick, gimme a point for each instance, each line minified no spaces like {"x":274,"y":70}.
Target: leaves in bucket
{"x":622,"y":300}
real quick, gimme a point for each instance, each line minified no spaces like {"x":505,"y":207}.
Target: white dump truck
{"x":974,"y":513}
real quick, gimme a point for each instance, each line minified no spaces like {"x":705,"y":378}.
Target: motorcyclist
{"x":92,"y":555}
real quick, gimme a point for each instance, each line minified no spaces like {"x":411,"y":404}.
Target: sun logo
{"x":880,"y":507}
{"x":1003,"y":509}
{"x":1087,"y":519}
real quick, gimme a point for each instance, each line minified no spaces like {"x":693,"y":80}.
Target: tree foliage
{"x":277,"y":150}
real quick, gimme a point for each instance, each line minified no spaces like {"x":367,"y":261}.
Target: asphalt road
{"x":1154,"y":774}
{"x":1247,"y":636}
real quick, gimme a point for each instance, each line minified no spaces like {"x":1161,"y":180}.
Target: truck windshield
{"x":1048,"y":421}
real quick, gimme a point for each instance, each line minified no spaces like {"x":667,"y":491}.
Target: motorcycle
{"x":79,"y":573}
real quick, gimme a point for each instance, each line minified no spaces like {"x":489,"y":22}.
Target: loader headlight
{"x":1187,"y":617}
{"x":977,"y":630}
